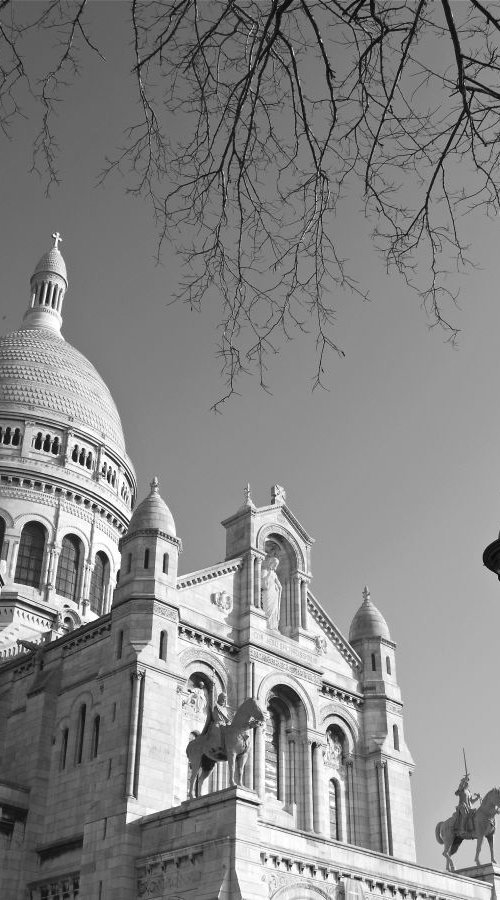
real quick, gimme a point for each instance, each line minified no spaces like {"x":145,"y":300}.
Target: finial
{"x":57,"y":239}
{"x":248,"y":496}
{"x":366,"y":594}
{"x":154,"y":485}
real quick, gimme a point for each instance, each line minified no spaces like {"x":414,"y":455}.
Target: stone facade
{"x":97,"y":706}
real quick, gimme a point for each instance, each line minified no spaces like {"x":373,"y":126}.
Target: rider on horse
{"x":217,"y":716}
{"x":465,"y":810}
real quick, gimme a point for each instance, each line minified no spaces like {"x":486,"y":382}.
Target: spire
{"x":48,"y":287}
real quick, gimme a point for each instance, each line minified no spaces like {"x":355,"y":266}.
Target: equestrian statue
{"x":222,"y":739}
{"x":468,"y":823}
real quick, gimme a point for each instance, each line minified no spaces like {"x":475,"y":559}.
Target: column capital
{"x":138,"y":675}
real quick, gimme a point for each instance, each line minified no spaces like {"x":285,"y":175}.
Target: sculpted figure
{"x":465,"y":803}
{"x":217,"y":716}
{"x":271,"y":591}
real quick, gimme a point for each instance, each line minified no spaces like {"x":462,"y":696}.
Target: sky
{"x":394,"y":470}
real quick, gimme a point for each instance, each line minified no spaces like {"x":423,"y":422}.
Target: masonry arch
{"x":273,"y":680}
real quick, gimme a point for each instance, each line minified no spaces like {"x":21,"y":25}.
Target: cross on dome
{"x":57,"y":240}
{"x":154,"y":485}
{"x":366,"y":594}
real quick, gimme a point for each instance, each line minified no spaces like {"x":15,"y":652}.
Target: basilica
{"x":125,"y":683}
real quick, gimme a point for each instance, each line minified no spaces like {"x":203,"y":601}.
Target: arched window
{"x":273,"y":754}
{"x":165,"y":564}
{"x":47,"y":442}
{"x":395,"y":737}
{"x":30,"y":555}
{"x":163,"y":646}
{"x":64,"y":748}
{"x":39,"y":441}
{"x":69,"y":567}
{"x":334,"y":807}
{"x":99,"y":582}
{"x":16,"y":440}
{"x":388,"y":664}
{"x":374,"y":663}
{"x":95,"y":737}
{"x":2,"y":535}
{"x":80,"y":734}
{"x":74,"y":455}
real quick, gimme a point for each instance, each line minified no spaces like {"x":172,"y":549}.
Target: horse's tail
{"x":438,"y":833}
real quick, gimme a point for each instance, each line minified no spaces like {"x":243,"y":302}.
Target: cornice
{"x":196,"y":636}
{"x":208,"y":574}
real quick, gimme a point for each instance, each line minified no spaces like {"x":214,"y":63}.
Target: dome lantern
{"x":49,"y":283}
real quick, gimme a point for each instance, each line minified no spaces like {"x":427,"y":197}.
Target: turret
{"x":49,"y":283}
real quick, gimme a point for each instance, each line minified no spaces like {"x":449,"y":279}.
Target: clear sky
{"x":394,"y":470}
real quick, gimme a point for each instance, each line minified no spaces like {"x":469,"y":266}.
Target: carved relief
{"x":274,"y":663}
{"x":286,"y":886}
{"x":333,"y":753}
{"x":159,"y":609}
{"x":195,"y":702}
{"x":321,"y":644}
{"x":159,"y":876}
{"x":222,"y":601}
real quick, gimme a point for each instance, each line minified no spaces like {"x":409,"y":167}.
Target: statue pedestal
{"x":488,"y":873}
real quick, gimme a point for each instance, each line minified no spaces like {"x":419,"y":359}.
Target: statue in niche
{"x":334,"y":750}
{"x":271,"y":591}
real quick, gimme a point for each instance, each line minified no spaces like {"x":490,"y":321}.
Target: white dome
{"x":42,"y":376}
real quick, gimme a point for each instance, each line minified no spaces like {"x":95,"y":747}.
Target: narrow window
{"x":388,"y":665}
{"x":272,"y":753}
{"x":95,"y":737}
{"x":81,"y":458}
{"x":64,"y":748}
{"x":374,"y":663}
{"x":146,"y":559}
{"x":165,"y":563}
{"x":129,"y":563}
{"x":119,"y":645}
{"x":46,"y":444}
{"x":7,"y":435}
{"x":163,"y":646}
{"x":395,"y":737}
{"x":17,"y":437}
{"x":38,"y":441}
{"x":80,"y":734}
{"x":99,"y":582}
{"x":55,"y":446}
{"x":30,"y":555}
{"x":334,"y":806}
{"x":88,"y":461}
{"x":2,"y":536}
{"x":74,"y":455}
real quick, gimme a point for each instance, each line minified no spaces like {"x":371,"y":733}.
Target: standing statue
{"x":220,"y":742}
{"x":271,"y":591}
{"x":483,"y":826}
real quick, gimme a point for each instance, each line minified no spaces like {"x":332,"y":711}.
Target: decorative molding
{"x":50,"y":494}
{"x":341,"y":694}
{"x":168,"y":871}
{"x":275,"y":528}
{"x":255,"y":655}
{"x":166,"y":612}
{"x":202,"y":575}
{"x":192,"y":634}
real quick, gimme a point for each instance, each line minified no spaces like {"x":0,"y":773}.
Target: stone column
{"x":308,"y":788}
{"x":130,"y":786}
{"x":350,"y":801}
{"x":260,"y":762}
{"x":320,"y":791}
{"x":13,"y":558}
{"x":257,"y":582}
{"x":382,"y":803}
{"x":291,"y":770}
{"x":282,"y":762}
{"x":303,"y":604}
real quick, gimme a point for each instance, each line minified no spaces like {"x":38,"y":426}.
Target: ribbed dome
{"x":153,"y":512}
{"x":41,"y":375}
{"x":52,"y":261}
{"x":368,"y":622}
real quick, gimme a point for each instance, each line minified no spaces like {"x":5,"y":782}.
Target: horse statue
{"x":225,"y":742}
{"x":482,"y":826}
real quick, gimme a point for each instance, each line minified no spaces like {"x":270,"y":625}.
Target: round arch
{"x":273,"y":680}
{"x":78,"y":532}
{"x":266,"y":530}
{"x":304,"y":891}
{"x":6,"y":516}
{"x":34,"y":516}
{"x":211,"y":666}
{"x":333,"y":715}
